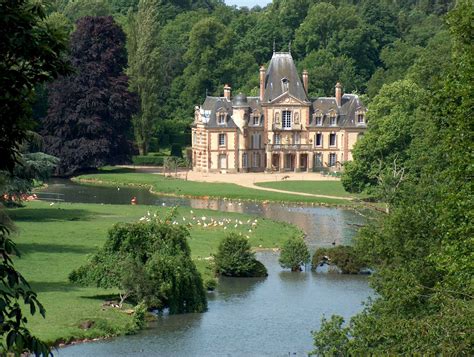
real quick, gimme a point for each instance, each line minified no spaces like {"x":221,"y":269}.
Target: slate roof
{"x":346,"y":113}
{"x":213,"y":105}
{"x":282,"y":68}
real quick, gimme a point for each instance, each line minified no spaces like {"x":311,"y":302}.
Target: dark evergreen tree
{"x":89,"y":114}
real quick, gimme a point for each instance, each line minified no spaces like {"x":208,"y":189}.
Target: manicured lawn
{"x":172,"y":186}
{"x":56,"y":239}
{"x":330,"y":188}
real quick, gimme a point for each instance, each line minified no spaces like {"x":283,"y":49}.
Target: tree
{"x":148,"y":261}
{"x":76,"y":9}
{"x":144,"y":69}
{"x":380,"y":155}
{"x":235,"y":258}
{"x":294,"y":254}
{"x":422,"y":249}
{"x":89,"y":112}
{"x":32,"y":53}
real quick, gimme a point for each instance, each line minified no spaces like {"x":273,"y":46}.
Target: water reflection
{"x":247,"y":317}
{"x":322,"y":225}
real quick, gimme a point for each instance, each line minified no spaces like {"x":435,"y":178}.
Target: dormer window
{"x":333,"y":119}
{"x":360,"y":118}
{"x":318,"y":119}
{"x":221,"y":118}
{"x":286,"y":117}
{"x":256,"y":119}
{"x":285,"y":84}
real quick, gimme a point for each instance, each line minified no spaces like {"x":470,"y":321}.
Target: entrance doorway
{"x":304,"y":162}
{"x":289,"y":162}
{"x":275,"y":162}
{"x":223,"y":161}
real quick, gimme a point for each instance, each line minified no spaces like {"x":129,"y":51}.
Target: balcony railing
{"x":289,"y":147}
{"x":278,"y":127}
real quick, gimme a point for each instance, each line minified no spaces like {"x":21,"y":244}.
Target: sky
{"x":248,"y":3}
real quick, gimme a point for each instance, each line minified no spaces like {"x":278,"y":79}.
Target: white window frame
{"x":320,"y":161}
{"x":286,"y":117}
{"x":359,"y":116}
{"x":333,"y":135}
{"x":222,"y":139}
{"x":333,"y":120}
{"x":318,"y":120}
{"x":256,"y":120}
{"x":221,"y":118}
{"x":332,"y":163}
{"x":245,"y":161}
{"x":256,"y":160}
{"x":277,"y":139}
{"x":296,"y":138}
{"x":316,"y":140}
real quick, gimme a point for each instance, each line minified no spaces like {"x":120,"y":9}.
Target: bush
{"x":294,"y":254}
{"x":342,"y":256}
{"x":148,"y":160}
{"x":176,"y":150}
{"x":234,"y":258}
{"x":149,"y":261}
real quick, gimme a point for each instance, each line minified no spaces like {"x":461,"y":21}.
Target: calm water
{"x":246,"y":317}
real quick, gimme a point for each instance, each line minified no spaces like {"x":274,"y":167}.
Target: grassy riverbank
{"x":179,"y":187}
{"x":56,"y":239}
{"x":329,"y":188}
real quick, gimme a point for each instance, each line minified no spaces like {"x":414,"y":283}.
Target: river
{"x":246,"y":317}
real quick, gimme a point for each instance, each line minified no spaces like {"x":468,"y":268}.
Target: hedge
{"x":148,"y":160}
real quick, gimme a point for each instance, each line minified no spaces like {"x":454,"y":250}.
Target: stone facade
{"x":280,"y":130}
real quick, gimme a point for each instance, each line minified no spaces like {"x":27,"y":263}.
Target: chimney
{"x":227,"y":92}
{"x":262,"y":82}
{"x":305,"y":80}
{"x":338,"y":94}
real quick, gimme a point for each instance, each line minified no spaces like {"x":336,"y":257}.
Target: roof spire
{"x":273,"y":45}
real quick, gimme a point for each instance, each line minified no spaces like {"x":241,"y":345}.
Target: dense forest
{"x":180,"y":50}
{"x":143,"y":65}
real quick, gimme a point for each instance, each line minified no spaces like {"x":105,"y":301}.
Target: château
{"x":280,"y":130}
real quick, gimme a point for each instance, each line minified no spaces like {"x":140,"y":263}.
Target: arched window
{"x":285,"y":84}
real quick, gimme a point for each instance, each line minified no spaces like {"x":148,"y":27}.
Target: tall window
{"x":318,"y":159}
{"x":277,"y":139}
{"x":318,"y":140}
{"x":296,"y":138}
{"x":360,"y":118}
{"x":332,"y":159}
{"x":256,"y":141}
{"x":332,"y":120}
{"x":286,"y":119}
{"x":221,"y":119}
{"x":244,"y":160}
{"x":221,"y":139}
{"x":332,"y":139}
{"x":256,"y":160}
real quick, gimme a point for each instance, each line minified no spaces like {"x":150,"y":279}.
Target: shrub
{"x":177,"y":150}
{"x":294,"y":254}
{"x":234,"y":258}
{"x":151,"y":160}
{"x":342,"y":256}
{"x":149,"y":261}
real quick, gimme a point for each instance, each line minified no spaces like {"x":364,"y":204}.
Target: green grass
{"x":330,"y":188}
{"x":56,"y":239}
{"x":179,"y":187}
